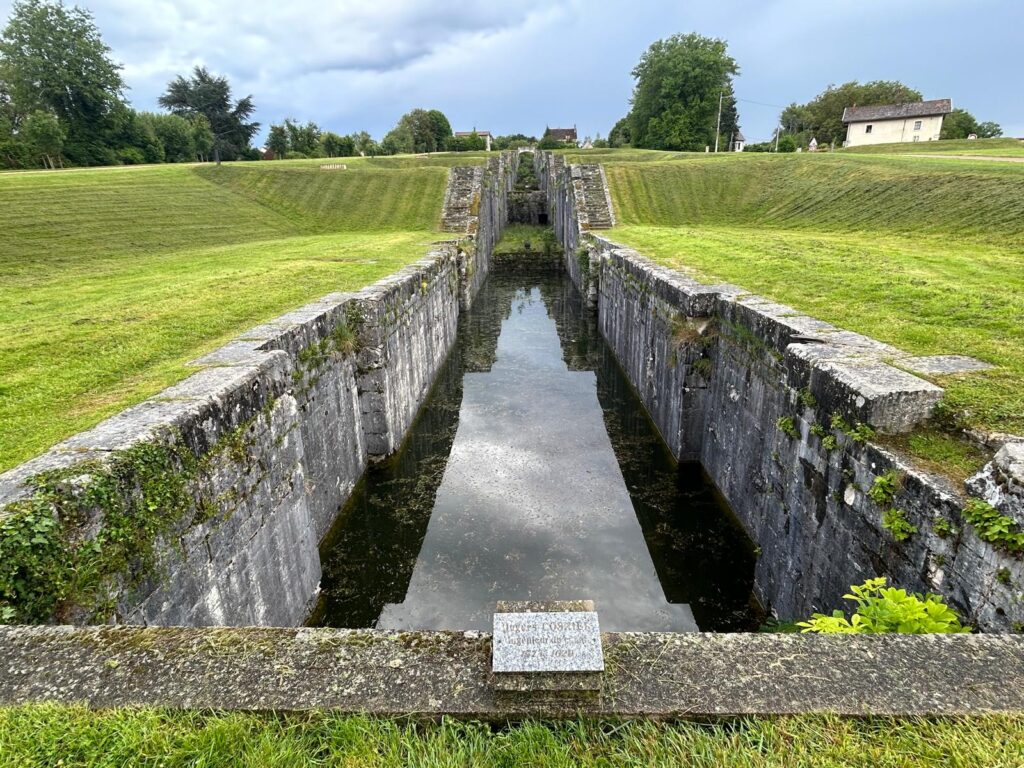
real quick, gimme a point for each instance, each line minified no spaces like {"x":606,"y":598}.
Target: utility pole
{"x":778,"y":130}
{"x":718,"y":126}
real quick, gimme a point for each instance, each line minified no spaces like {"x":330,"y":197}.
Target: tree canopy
{"x":675,"y":102}
{"x":53,"y":60}
{"x":419,"y":130}
{"x":959,"y":124}
{"x":210,"y":96}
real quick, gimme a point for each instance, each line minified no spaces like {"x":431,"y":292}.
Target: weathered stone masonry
{"x":749,"y":388}
{"x":282,"y":422}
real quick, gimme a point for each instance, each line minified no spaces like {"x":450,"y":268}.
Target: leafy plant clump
{"x":943,"y":528}
{"x":995,"y":528}
{"x":787,"y":426}
{"x":895,"y":522}
{"x":880,"y":609}
{"x":884,"y":488}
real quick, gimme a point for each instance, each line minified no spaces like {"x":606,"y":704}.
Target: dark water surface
{"x":533,"y":473}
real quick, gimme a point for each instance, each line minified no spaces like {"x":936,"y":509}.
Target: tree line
{"x":62,"y":102}
{"x":416,"y":132}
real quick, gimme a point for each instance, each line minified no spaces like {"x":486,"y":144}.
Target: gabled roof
{"x":562,"y":134}
{"x":898,"y":111}
{"x":738,"y":136}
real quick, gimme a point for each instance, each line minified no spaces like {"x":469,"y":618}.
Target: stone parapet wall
{"x":434,"y":674}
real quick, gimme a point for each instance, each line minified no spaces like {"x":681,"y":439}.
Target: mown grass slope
{"x":925,"y":254}
{"x":1007,"y":147}
{"x":113,"y":279}
{"x":75,"y":736}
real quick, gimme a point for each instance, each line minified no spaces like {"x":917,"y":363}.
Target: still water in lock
{"x":533,"y":473}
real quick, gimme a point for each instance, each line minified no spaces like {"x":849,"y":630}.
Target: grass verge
{"x":113,"y":279}
{"x":50,"y":735}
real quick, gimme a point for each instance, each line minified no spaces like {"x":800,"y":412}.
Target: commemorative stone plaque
{"x":546,"y":647}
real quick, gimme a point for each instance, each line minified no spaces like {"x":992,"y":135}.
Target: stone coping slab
{"x":431,"y":674}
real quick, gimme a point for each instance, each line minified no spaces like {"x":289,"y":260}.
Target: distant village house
{"x":564,"y":135}
{"x":895,"y":123}
{"x":738,"y":142}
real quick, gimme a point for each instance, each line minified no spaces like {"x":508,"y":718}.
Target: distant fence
{"x":334,"y":167}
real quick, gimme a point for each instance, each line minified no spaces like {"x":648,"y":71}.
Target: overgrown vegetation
{"x":881,"y":609}
{"x":997,"y":529}
{"x":47,"y":566}
{"x":75,"y":736}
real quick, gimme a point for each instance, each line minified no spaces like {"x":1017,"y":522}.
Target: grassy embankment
{"x":48,"y":735}
{"x":924,"y":254}
{"x":114,"y":278}
{"x":982,"y":147}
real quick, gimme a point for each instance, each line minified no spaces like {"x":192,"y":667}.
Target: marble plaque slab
{"x":547,"y":642}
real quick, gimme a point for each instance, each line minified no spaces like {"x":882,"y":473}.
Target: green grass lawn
{"x":113,"y":279}
{"x":991,"y":147}
{"x":56,"y":736}
{"x":919,"y":253}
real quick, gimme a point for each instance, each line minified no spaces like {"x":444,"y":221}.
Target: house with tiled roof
{"x":564,"y":135}
{"x":895,"y":123}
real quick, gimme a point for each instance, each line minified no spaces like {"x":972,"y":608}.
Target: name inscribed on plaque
{"x":547,"y":642}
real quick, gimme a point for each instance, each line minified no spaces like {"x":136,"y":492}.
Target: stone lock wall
{"x":749,"y":388}
{"x":268,"y":438}
{"x":476,"y":206}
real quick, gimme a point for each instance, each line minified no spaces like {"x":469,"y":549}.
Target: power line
{"x":761,"y":103}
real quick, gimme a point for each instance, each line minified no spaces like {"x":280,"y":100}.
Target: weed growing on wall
{"x":895,"y":522}
{"x":995,"y":528}
{"x":787,"y":426}
{"x":881,"y":609}
{"x":884,"y":488}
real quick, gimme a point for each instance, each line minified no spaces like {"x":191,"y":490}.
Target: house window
{"x":917,"y":138}
{"x":917,"y":125}
{"x":867,"y":129}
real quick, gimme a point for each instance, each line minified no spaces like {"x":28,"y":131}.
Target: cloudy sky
{"x":512,"y":66}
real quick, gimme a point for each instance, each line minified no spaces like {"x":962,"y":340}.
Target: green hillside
{"x":114,"y":278}
{"x":990,"y":147}
{"x":925,"y":254}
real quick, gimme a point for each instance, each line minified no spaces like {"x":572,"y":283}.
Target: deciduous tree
{"x":679,"y":81}
{"x":53,"y":59}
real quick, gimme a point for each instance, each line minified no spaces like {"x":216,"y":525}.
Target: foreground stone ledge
{"x":437,"y":673}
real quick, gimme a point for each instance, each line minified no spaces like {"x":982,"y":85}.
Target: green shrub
{"x":991,"y":526}
{"x":884,"y":488}
{"x":943,"y":528}
{"x":787,"y":426}
{"x":880,"y":609}
{"x":895,"y":522}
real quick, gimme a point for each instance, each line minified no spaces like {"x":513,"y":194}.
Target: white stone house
{"x":738,"y":141}
{"x":895,"y":123}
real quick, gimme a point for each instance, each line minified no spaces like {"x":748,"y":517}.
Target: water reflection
{"x":533,"y":474}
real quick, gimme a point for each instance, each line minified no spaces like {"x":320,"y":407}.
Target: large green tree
{"x":679,"y":82}
{"x":959,"y":124}
{"x":53,"y":59}
{"x":822,"y":117}
{"x":419,"y":130}
{"x":210,"y":95}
